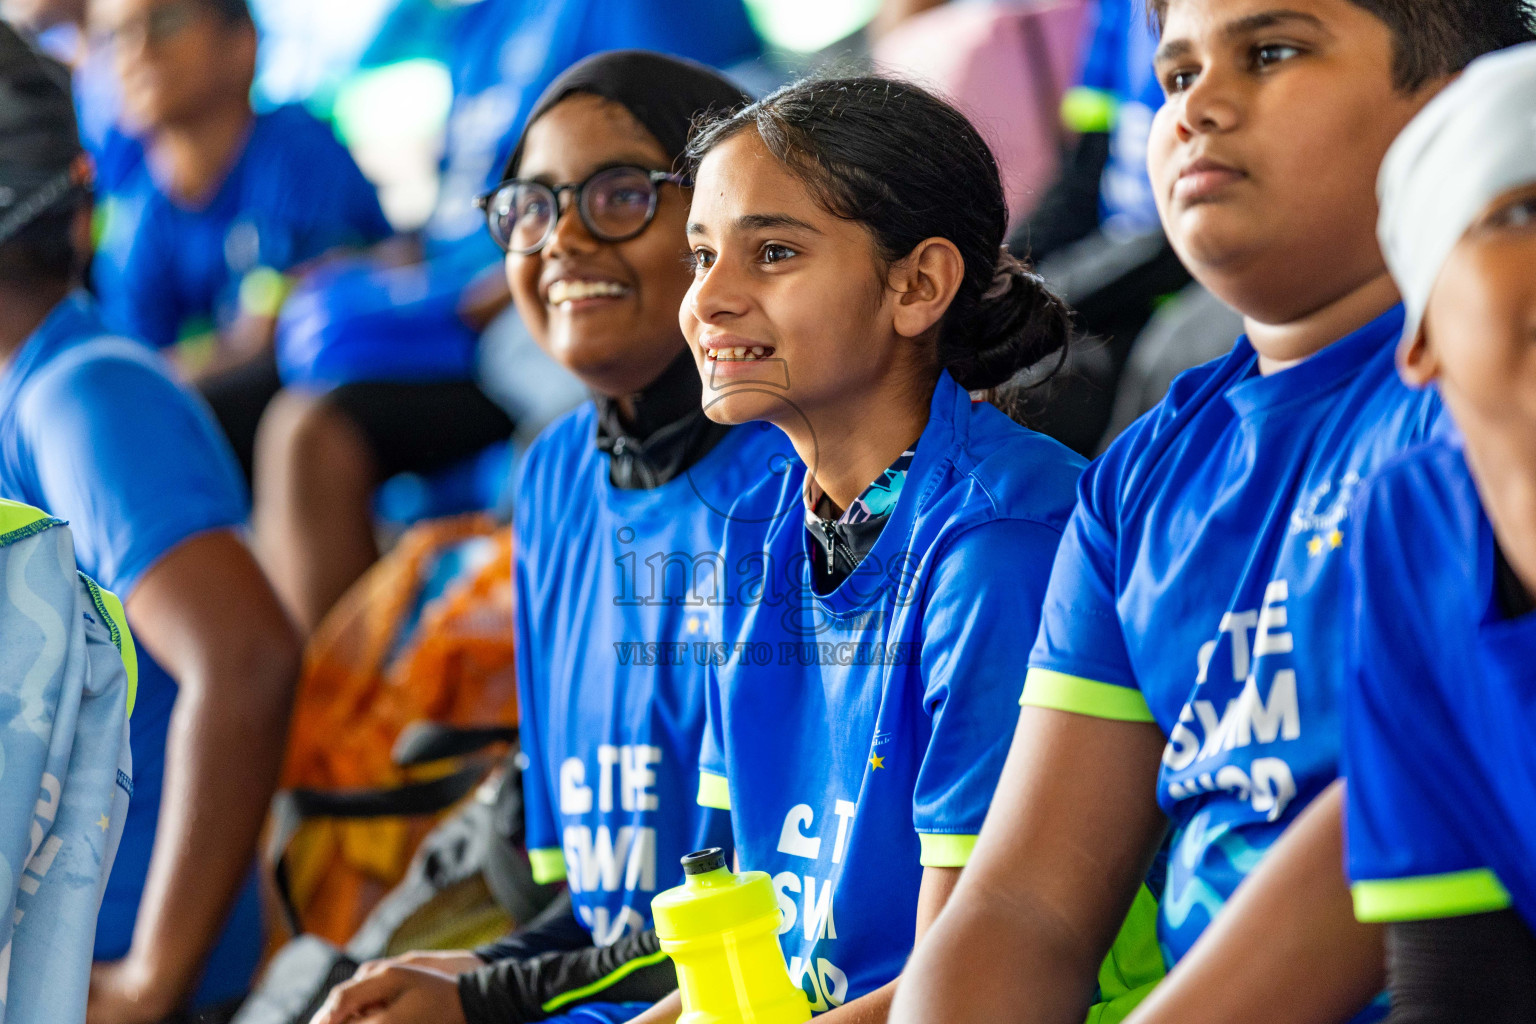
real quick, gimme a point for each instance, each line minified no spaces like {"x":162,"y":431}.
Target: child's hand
{"x":394,"y":994}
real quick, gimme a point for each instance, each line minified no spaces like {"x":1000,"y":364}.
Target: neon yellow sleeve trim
{"x":607,"y":981}
{"x":116,"y":620}
{"x":1428,"y":897}
{"x":18,"y":521}
{"x":944,"y":851}
{"x":714,"y":791}
{"x":548,"y":865}
{"x":1061,"y":692}
{"x":1085,"y":110}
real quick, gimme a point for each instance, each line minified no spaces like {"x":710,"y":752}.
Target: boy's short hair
{"x":1435,"y":38}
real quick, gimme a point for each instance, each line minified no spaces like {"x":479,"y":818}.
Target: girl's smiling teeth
{"x":737,"y":354}
{"x":563,"y":291}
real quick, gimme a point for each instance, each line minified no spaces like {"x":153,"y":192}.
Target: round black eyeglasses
{"x":615,"y":205}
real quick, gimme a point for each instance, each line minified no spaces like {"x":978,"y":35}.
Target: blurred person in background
{"x":196,"y":241}
{"x":377,"y":359}
{"x":1096,"y":237}
{"x":94,"y":430}
{"x":60,"y":28}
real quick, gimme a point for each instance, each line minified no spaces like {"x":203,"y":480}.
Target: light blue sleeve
{"x":132,"y":460}
{"x":1080,"y":662}
{"x":981,"y":609}
{"x":64,"y":733}
{"x":1413,"y":814}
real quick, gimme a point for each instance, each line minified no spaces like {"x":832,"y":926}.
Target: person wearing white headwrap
{"x":1440,"y":725}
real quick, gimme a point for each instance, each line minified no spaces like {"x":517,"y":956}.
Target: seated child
{"x":196,"y":240}
{"x":94,"y":430}
{"x":1438,"y":739}
{"x":1187,"y":672}
{"x":620,"y":510}
{"x":849,"y":288}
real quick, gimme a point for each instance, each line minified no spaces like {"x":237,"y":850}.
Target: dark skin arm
{"x":1071,"y":834}
{"x":208,"y":615}
{"x":1287,"y":949}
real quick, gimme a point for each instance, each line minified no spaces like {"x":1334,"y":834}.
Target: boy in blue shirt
{"x":197,"y":238}
{"x":1186,"y":672}
{"x":93,"y":430}
{"x":1441,"y":775}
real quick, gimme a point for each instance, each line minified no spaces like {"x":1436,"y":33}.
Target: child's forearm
{"x":873,"y":1008}
{"x":665,"y":1012}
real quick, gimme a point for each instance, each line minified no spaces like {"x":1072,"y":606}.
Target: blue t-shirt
{"x":1198,"y":587}
{"x":94,"y":430}
{"x":857,"y":736}
{"x":613,"y":595}
{"x":1438,"y":713}
{"x":1119,"y":68}
{"x":166,"y":271}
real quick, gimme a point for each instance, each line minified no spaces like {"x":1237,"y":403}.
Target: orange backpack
{"x":385,"y":658}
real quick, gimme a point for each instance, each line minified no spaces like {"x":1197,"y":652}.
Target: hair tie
{"x":1008,"y":270}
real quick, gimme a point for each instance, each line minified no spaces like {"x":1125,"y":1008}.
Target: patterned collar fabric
{"x":846,"y":541}
{"x":669,"y":435}
{"x":877,"y":500}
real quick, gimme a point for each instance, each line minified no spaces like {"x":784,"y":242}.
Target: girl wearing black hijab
{"x":620,"y":513}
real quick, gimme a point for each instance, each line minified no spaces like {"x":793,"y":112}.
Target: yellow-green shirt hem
{"x":944,"y":851}
{"x":548,"y":865}
{"x":1429,"y":897}
{"x":1045,"y":688}
{"x":714,"y":791}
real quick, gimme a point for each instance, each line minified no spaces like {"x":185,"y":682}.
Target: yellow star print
{"x":105,"y":823}
{"x":876,"y":761}
{"x":1336,"y":539}
{"x":1315,"y":546}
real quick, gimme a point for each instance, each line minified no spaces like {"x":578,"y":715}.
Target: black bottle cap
{"x":704,"y":861}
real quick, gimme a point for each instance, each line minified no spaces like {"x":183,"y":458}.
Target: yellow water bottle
{"x":722,"y":931}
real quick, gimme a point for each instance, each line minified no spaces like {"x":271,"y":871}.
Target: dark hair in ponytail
{"x":909,"y":166}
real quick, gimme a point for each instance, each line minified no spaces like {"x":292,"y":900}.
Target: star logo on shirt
{"x":105,"y":823}
{"x":1322,"y":543}
{"x":876,"y":762}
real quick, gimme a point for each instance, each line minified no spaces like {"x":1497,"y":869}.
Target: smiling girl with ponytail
{"x":851,"y":288}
